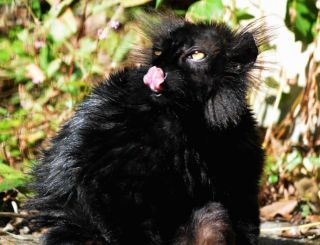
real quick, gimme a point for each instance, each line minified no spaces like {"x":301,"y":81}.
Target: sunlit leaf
{"x":315,"y":161}
{"x":293,"y":160}
{"x":53,"y":67}
{"x":9,"y":123}
{"x":206,"y":10}
{"x":59,"y":31}
{"x":133,"y":3}
{"x":97,"y":8}
{"x":87,"y":46}
{"x":24,"y":35}
{"x":58,"y":8}
{"x":64,"y":26}
{"x":35,"y":136}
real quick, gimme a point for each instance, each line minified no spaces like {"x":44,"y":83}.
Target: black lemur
{"x":164,"y":153}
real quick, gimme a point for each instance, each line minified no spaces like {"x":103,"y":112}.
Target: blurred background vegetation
{"x":52,"y":52}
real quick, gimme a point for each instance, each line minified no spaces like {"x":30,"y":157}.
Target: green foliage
{"x":242,"y":14}
{"x":301,"y":19}
{"x":10,"y":178}
{"x":305,"y":210}
{"x":271,"y":170}
{"x":206,"y":10}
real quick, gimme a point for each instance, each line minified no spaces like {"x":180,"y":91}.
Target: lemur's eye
{"x":197,"y":55}
{"x":157,"y":52}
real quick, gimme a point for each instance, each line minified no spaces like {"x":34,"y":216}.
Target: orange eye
{"x":197,"y":55}
{"x":157,"y":52}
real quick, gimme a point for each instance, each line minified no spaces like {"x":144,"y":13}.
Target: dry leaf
{"x":293,"y":232}
{"x":283,"y":208}
{"x":26,"y":100}
{"x":313,"y":218}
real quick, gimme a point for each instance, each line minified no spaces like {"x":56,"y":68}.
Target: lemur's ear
{"x":244,"y":49}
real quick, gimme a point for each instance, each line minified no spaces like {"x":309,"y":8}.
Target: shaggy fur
{"x":178,"y":167}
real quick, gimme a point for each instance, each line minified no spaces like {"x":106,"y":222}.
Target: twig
{"x":17,"y":237}
{"x":79,"y":35}
{"x":13,"y":215}
{"x":286,"y":228}
{"x":117,"y":14}
{"x":114,"y":17}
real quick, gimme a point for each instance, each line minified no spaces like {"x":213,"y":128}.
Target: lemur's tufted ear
{"x":244,"y":49}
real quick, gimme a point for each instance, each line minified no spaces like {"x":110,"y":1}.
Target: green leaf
{"x":272,"y":83}
{"x":315,"y":161}
{"x":111,"y":43}
{"x":9,"y":123}
{"x":87,"y":46}
{"x":36,"y":8}
{"x":301,"y":18}
{"x":57,"y":9}
{"x":62,"y":27}
{"x":305,"y":210}
{"x":6,"y":51}
{"x":4,"y":137}
{"x":293,"y":160}
{"x":242,"y":14}
{"x":44,"y":57}
{"x":158,"y":3}
{"x":103,"y":6}
{"x":73,"y":87}
{"x":53,"y":67}
{"x":3,"y":111}
{"x":133,"y":3}
{"x":59,"y":31}
{"x":35,"y":136}
{"x":4,"y":56}
{"x":273,"y":179}
{"x":10,"y":178}
{"x":18,"y":48}
{"x":24,"y":36}
{"x":206,"y":10}
{"x":180,"y":12}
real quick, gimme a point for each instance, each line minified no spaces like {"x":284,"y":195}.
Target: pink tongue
{"x":154,"y":78}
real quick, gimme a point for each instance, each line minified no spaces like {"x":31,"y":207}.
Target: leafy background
{"x":52,"y":52}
